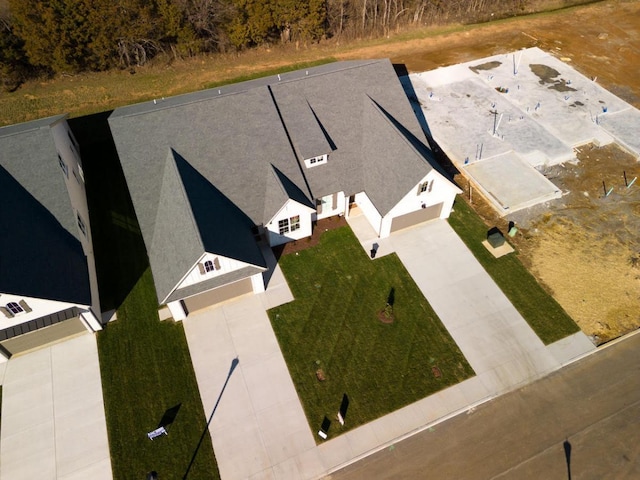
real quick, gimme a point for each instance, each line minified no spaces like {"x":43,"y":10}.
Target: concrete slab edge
{"x":601,"y":347}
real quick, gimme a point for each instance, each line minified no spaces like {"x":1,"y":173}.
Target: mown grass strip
{"x":145,"y":364}
{"x":541,"y":311}
{"x":146,"y":371}
{"x":274,"y":71}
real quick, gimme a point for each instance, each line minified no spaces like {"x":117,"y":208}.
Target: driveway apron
{"x":259,"y":429}
{"x":53,"y":422}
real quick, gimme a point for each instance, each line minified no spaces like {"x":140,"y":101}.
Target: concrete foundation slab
{"x":525,"y":105}
{"x":510,"y":183}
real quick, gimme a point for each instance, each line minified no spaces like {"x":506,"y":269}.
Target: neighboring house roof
{"x":40,"y":251}
{"x":245,"y":144}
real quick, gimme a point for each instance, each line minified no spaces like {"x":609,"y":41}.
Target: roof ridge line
{"x":171,"y":161}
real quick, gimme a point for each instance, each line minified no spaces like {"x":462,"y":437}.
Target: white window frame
{"x":209,"y":266}
{"x":283,"y":226}
{"x":315,"y":161}
{"x":294,"y":223}
{"x":15,"y":308}
{"x":425,"y":187}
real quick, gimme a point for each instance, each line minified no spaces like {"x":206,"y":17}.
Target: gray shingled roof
{"x":189,"y":215}
{"x":40,"y":252}
{"x":341,"y":103}
{"x":248,"y":142}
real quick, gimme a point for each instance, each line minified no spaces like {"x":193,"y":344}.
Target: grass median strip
{"x":274,"y":71}
{"x":148,"y":380}
{"x":540,"y":310}
{"x":337,"y":338}
{"x":147,"y":374}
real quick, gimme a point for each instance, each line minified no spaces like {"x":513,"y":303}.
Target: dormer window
{"x":315,"y":161}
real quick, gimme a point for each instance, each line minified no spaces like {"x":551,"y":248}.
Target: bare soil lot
{"x":585,"y":247}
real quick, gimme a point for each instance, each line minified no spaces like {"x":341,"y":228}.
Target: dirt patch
{"x":485,"y":66}
{"x":584,"y":248}
{"x":549,"y":76}
{"x":574,"y":35}
{"x":321,"y":226}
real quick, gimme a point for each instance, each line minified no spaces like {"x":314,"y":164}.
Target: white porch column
{"x":177,"y":312}
{"x":257,"y":282}
{"x":90,"y":321}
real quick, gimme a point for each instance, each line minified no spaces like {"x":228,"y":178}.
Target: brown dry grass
{"x":584,"y":247}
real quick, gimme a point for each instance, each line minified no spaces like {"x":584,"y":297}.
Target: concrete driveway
{"x":53,"y":423}
{"x":497,"y":342}
{"x":259,"y":429}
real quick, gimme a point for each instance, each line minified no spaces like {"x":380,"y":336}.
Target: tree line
{"x":55,"y":36}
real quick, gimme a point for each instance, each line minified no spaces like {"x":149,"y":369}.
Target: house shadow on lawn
{"x":120,"y":253}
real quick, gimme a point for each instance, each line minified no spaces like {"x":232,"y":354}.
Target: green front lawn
{"x":145,"y":364}
{"x":545,"y":316}
{"x":146,"y":370}
{"x":333,"y":325}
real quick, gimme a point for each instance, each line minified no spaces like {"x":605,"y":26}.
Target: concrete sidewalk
{"x":53,"y":422}
{"x":259,"y":429}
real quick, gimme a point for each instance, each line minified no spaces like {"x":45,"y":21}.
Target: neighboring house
{"x":48,"y":288}
{"x":212,"y":172}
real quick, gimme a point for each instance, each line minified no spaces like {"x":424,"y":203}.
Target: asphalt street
{"x":581,"y":422}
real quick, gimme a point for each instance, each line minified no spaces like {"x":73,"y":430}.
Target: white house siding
{"x":39,"y":308}
{"x":441,"y":191}
{"x":74,"y":181}
{"x":226,"y":265}
{"x":331,"y":205}
{"x":290,"y":209}
{"x":369,"y":210}
{"x":42,"y":308}
{"x":66,"y":147}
